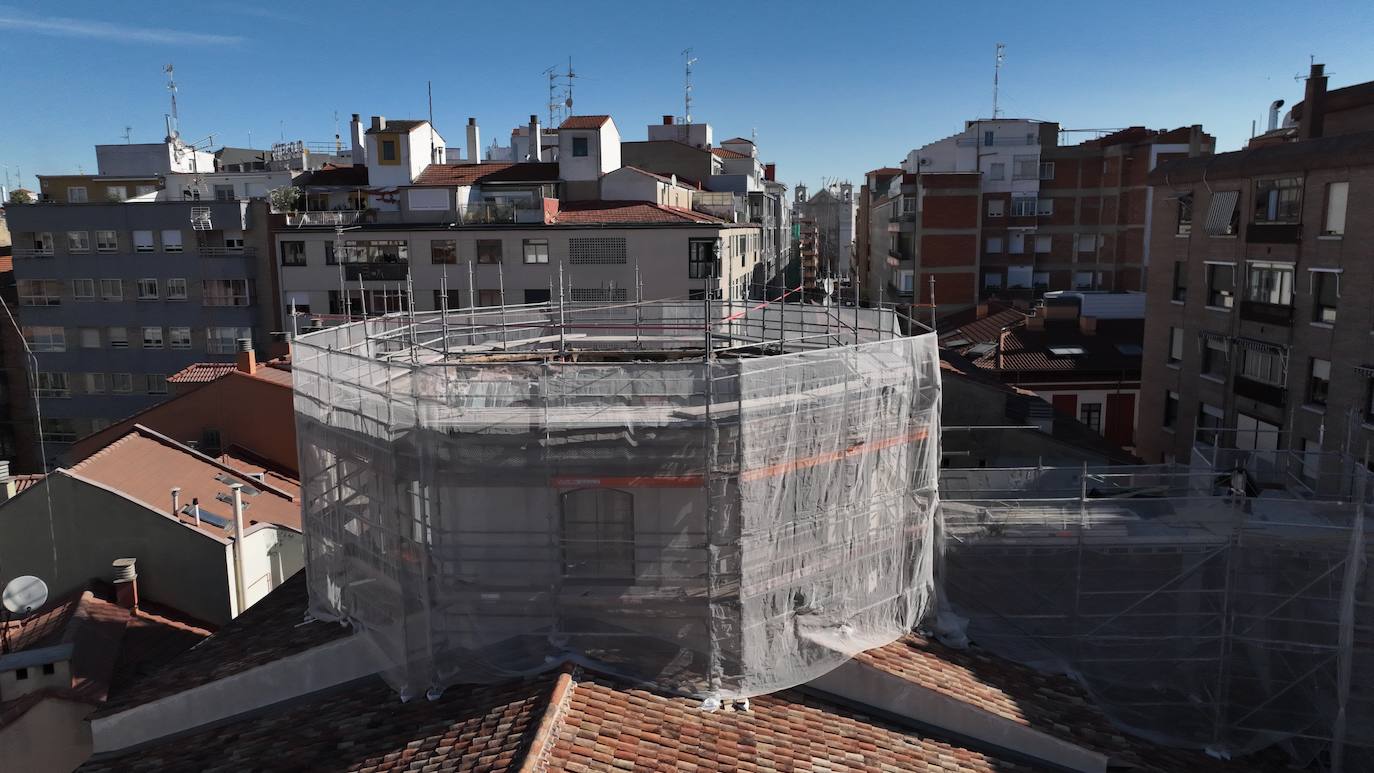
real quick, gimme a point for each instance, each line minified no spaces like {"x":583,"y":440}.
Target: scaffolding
{"x":1214,"y":605}
{"x":719,"y":498}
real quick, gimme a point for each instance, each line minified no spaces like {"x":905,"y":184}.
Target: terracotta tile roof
{"x":398,"y":125}
{"x":887,"y":171}
{"x":144,"y":465}
{"x":269,"y":630}
{"x":628,"y":213}
{"x":968,"y":326}
{"x":200,"y":372}
{"x":6,"y":263}
{"x":584,"y":122}
{"x":25,"y":482}
{"x":734,"y":140}
{"x":727,"y":153}
{"x":1027,"y":352}
{"x":489,"y":172}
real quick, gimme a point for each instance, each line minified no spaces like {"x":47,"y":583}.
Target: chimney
{"x":355,"y":129}
{"x":981,"y":311}
{"x":378,"y":123}
{"x":770,"y":172}
{"x":667,"y":120}
{"x":1314,"y":104}
{"x":246,"y":361}
{"x":195,"y":509}
{"x":1274,"y":114}
{"x":1195,"y":140}
{"x":126,"y":583}
{"x":1001,"y":336}
{"x":236,"y":489}
{"x":474,"y":141}
{"x":536,"y":140}
{"x":1087,"y":325}
{"x":176,"y":501}
{"x":7,"y":487}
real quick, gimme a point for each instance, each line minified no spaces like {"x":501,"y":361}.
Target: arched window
{"x":598,"y":534}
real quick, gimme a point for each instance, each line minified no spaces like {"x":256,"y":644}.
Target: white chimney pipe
{"x":176,"y":501}
{"x":195,"y":510}
{"x":355,"y":129}
{"x":536,"y":140}
{"x":237,"y":490}
{"x":1274,"y":114}
{"x":474,"y":142}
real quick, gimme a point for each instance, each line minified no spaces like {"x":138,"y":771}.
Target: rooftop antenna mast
{"x":997,"y":77}
{"x":552,"y":74}
{"x":568,"y":103}
{"x":338,"y":139}
{"x":173,"y":125}
{"x":429,"y":94}
{"x":687,"y":61}
{"x":128,"y":135}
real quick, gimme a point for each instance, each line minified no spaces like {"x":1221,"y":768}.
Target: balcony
{"x":33,"y":252}
{"x":227,"y":252}
{"x":1266,"y":313}
{"x":1268,"y":394}
{"x":376,"y":272}
{"x":1273,"y":233}
{"x":324,"y":218}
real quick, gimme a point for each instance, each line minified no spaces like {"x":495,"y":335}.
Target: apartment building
{"x":1259,"y":295}
{"x":834,"y":211}
{"x":1028,"y":214}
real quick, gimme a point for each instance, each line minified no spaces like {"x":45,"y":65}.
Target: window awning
{"x":1365,"y":370}
{"x":1260,"y":346}
{"x":1219,"y":212}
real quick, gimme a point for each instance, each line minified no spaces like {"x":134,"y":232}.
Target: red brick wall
{"x":950,"y":212}
{"x":949,"y":250}
{"x":951,"y":288}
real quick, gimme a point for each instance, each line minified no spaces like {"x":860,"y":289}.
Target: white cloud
{"x":83,"y":28}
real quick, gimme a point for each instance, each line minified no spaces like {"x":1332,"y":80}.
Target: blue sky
{"x":833,"y":89}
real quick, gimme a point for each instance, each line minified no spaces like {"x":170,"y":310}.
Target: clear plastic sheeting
{"x":488,"y":493}
{"x":1198,"y":607}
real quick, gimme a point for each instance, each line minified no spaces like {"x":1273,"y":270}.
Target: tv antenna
{"x":1311,"y":60}
{"x":568,"y":103}
{"x":21,"y":596}
{"x":997,"y":76}
{"x":173,"y":125}
{"x":687,"y":61}
{"x":554,"y":105}
{"x":128,"y":135}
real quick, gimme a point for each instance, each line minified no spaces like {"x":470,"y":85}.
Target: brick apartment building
{"x":1002,"y":211}
{"x":1259,"y":297}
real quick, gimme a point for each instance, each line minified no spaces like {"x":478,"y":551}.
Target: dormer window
{"x":579,"y":146}
{"x":388,"y":151}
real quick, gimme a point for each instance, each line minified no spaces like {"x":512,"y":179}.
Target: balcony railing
{"x":1266,"y":313}
{"x":376,"y":272}
{"x":227,"y":252}
{"x":1268,"y":394}
{"x":33,"y":252}
{"x":329,"y":218}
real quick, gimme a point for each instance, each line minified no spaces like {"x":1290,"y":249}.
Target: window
{"x":1091,"y":415}
{"x":40,"y":292}
{"x":994,"y":244}
{"x":1043,"y":244}
{"x":90,"y":338}
{"x":1319,"y":381}
{"x":225,"y":292}
{"x":537,"y":250}
{"x":1044,"y":207}
{"x":996,"y":207}
{"x":56,"y":431}
{"x":579,"y":147}
{"x":78,"y":241}
{"x":152,"y":338}
{"x":1087,"y":242}
{"x":46,"y":338}
{"x":1216,"y":361}
{"x":233,"y":242}
{"x":604,"y":250}
{"x":143,"y":190}
{"x":293,"y":253}
{"x":992,"y":281}
{"x":83,"y":289}
{"x":1171,"y":409}
{"x":440,"y":251}
{"x":176,"y":289}
{"x":106,"y":241}
{"x":118,"y":337}
{"x":49,"y":669}
{"x":171,"y":241}
{"x":94,"y":383}
{"x":224,"y":193}
{"x":598,"y":534}
{"x":1270,"y":283}
{"x":111,"y":290}
{"x":1046,"y":170}
{"x":121,"y":383}
{"x":702,"y":261}
{"x":987,"y":138}
{"x":1185,"y":214}
{"x":1087,"y":280}
{"x":116,"y":192}
{"x":454,"y":300}
{"x":537,"y":296}
{"x":1175,"y":345}
{"x":1016,"y":243}
{"x":997,"y":170}
{"x":76,"y":194}
{"x":374,"y":251}
{"x":147,"y":290}
{"x":155,"y":383}
{"x":1262,"y":365}
{"x":1220,"y":285}
{"x":49,"y":384}
{"x":908,"y":205}
{"x":489,"y":298}
{"x":1336,"y":195}
{"x":1023,"y":206}
{"x":1326,"y":293}
{"x":224,"y":340}
{"x":1040,"y":280}
{"x":42,"y":242}
{"x":143,"y":241}
{"x":1209,"y":419}
{"x":1018,"y":277}
{"x":179,"y":338}
{"x":1025,"y":168}
{"x":488,"y":250}
{"x":388,"y":151}
{"x":1279,"y":200}
{"x":1180,"y":292}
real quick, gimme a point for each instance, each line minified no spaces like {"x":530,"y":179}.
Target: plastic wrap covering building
{"x":1224,"y":605}
{"x":721,"y":511}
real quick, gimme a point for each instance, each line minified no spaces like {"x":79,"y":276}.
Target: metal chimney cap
{"x":244,"y":344}
{"x":126,"y":569}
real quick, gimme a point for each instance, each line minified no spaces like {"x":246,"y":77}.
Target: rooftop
{"x":728,"y":153}
{"x":584,"y":122}
{"x":1321,"y":153}
{"x":488,"y":172}
{"x":330,"y":175}
{"x":405,"y":125}
{"x":628,"y":213}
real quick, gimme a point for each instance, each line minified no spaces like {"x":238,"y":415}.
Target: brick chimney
{"x":126,"y":583}
{"x":770,"y":172}
{"x":667,"y":120}
{"x":246,"y":361}
{"x":1313,"y":104}
{"x":981,"y":310}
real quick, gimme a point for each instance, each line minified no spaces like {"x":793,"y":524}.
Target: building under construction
{"x":721,"y":509}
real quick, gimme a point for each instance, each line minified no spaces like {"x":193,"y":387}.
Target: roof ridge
{"x":546,"y":732}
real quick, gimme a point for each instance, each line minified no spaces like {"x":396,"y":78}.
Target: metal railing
{"x":323,"y":218}
{"x":227,"y":252}
{"x":33,"y":252}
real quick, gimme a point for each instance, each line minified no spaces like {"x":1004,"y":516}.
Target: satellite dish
{"x":25,"y":594}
